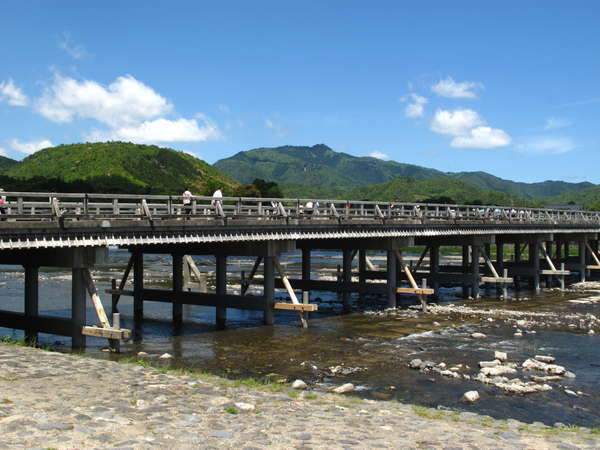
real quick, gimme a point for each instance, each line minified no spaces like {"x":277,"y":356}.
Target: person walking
{"x":217,"y":196}
{"x":187,"y":201}
{"x":2,"y":202}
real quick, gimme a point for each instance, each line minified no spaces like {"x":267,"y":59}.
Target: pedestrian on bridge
{"x":217,"y":196}
{"x":187,"y":201}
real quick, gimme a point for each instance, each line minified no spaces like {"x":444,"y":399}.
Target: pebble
{"x":165,"y":356}
{"x":478,"y":336}
{"x":245,"y":407}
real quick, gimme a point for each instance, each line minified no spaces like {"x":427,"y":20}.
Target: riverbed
{"x":372,"y":351}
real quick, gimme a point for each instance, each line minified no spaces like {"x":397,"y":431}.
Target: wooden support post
{"x":290,"y":291}
{"x":500,"y":265}
{"x":547,"y":250}
{"x":422,"y":257}
{"x":434,"y":267}
{"x":269,"y":289}
{"x":187,"y":275}
{"x":177,"y":287}
{"x":465,"y":265}
{"x":562,"y":276}
{"x":221,"y":269}
{"x":251,"y":276}
{"x":504,"y":287}
{"x":567,"y":251}
{"x":534,"y":258}
{"x":346,"y":278}
{"x":306,"y":273}
{"x":91,"y":288}
{"x":138,"y":286}
{"x":31,"y":301}
{"x":78,"y":307}
{"x":582,"y":260}
{"x":114,"y":345}
{"x":116,"y":297}
{"x":475,"y":250}
{"x":517,"y":261}
{"x":392,"y":281}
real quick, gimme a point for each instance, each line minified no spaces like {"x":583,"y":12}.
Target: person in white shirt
{"x":217,"y":196}
{"x":2,"y":201}
{"x":187,"y":201}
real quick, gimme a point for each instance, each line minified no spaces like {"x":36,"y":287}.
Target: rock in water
{"x":299,"y":384}
{"x":415,"y":364}
{"x":478,"y":336}
{"x":165,"y":356}
{"x":470,"y":396}
{"x":544,"y":358}
{"x":497,"y":371}
{"x":493,"y":363}
{"x":500,"y":356}
{"x":344,"y":388}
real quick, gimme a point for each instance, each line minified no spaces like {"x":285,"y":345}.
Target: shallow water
{"x":376,"y":349}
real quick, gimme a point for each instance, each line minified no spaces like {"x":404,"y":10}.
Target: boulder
{"x":493,"y":363}
{"x":245,"y":407}
{"x":500,"y":356}
{"x":344,"y":388}
{"x":165,"y":356}
{"x":545,"y":358}
{"x":497,"y":371}
{"x":415,"y":363}
{"x":470,"y":396}
{"x":299,"y":384}
{"x":478,"y":336}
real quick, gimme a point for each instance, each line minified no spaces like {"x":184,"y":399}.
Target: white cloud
{"x":124,"y":102}
{"x":160,"y":130}
{"x":11,"y":94}
{"x":76,"y":51}
{"x":552,"y":145}
{"x":3,"y":152}
{"x":451,"y":89}
{"x":455,"y":123}
{"x":483,"y":137}
{"x":31,"y":146}
{"x":416,"y":108}
{"x":555,"y":123}
{"x":379,"y":155}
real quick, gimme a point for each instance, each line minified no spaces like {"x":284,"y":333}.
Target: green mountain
{"x":320,"y":171}
{"x":590,"y":198}
{"x":6,"y":163}
{"x":548,"y":188}
{"x":117,"y":167}
{"x":434,"y":190}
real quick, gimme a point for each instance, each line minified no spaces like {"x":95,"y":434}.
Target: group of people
{"x":187,"y":199}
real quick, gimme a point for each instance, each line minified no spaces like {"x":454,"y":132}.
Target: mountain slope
{"x":122,"y":167}
{"x":589,"y":198}
{"x":432,"y":190}
{"x":319,"y":167}
{"x":320,"y":171}
{"x":6,"y":163}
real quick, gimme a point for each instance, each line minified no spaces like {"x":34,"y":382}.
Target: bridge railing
{"x":73,"y":206}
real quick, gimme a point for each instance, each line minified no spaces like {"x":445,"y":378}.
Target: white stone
{"x":442,"y":365}
{"x":299,"y":384}
{"x":470,"y":396}
{"x":142,"y":354}
{"x":165,"y":356}
{"x":591,"y":332}
{"x":545,"y":358}
{"x":478,"y":336}
{"x":344,"y":388}
{"x":570,"y":392}
{"x":449,"y":373}
{"x":245,"y":407}
{"x":500,"y":356}
{"x":497,"y":371}
{"x":493,"y":363}
{"x":518,"y":334}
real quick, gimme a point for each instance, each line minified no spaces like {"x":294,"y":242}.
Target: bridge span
{"x":75,"y":231}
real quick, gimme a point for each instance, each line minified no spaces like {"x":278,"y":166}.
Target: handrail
{"x":72,"y":206}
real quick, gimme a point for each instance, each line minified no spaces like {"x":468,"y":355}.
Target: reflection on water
{"x":373,"y":352}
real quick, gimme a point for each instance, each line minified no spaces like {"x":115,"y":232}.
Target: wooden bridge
{"x":75,"y":231}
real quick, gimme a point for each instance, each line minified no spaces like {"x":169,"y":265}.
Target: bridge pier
{"x":31,"y":301}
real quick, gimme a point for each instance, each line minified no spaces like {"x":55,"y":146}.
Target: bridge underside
{"x":522,"y":254}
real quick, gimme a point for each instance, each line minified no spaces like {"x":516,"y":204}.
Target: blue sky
{"x":511,"y":88}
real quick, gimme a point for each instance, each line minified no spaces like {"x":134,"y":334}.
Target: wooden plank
{"x":108,"y":333}
{"x":555,"y":272}
{"x":418,"y":291}
{"x":302,"y":307}
{"x":593,"y":253}
{"x":592,"y":266}
{"x":42,"y":324}
{"x":290,"y":291}
{"x":406,"y":269}
{"x":497,"y":279}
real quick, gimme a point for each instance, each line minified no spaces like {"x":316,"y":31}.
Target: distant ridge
{"x":319,"y":170}
{"x":5,"y":164}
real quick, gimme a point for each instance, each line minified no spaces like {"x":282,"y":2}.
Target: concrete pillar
{"x":221,"y":272}
{"x":534,"y":260}
{"x":434,"y":268}
{"x":475,"y":251}
{"x":582,"y":260}
{"x":31,"y":301}
{"x":465,"y":266}
{"x":346,"y":279}
{"x":392,"y":281}
{"x":138,"y":286}
{"x":269,"y":289}
{"x":78,"y":300}
{"x":306,"y":273}
{"x":177,"y":287}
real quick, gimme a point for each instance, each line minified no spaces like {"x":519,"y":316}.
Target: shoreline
{"x":57,"y":400}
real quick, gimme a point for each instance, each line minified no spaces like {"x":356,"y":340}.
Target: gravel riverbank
{"x":55,"y":400}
